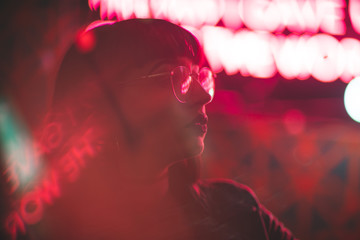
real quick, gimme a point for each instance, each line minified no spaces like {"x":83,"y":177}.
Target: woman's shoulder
{"x":227,"y":191}
{"x":228,"y":199}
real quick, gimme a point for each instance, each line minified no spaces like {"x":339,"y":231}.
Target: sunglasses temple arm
{"x":155,"y":75}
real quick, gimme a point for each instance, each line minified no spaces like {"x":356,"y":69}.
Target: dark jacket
{"x":231,"y":211}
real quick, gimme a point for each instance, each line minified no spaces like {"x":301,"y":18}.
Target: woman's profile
{"x":141,"y":94}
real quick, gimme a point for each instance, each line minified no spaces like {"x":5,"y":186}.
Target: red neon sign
{"x":30,"y":206}
{"x":32,"y":183}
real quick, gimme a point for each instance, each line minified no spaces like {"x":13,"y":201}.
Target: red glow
{"x":52,"y":137}
{"x":33,"y":202}
{"x":14,"y":224}
{"x":306,"y":151}
{"x":12,"y":177}
{"x":294,"y":121}
{"x":85,"y":41}
{"x":305,"y":186}
{"x":50,"y":188}
{"x":31,"y":208}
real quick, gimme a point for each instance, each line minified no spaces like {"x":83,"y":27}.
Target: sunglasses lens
{"x":206,"y":80}
{"x":181,"y":81}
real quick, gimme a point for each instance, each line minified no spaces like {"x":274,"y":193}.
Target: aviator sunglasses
{"x":182,"y":79}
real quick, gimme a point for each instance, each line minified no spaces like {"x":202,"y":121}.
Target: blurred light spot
{"x":260,"y":62}
{"x":159,"y":8}
{"x":94,"y":4}
{"x":294,"y":121}
{"x":226,"y":52}
{"x":214,"y":38}
{"x":212,"y":92}
{"x":273,"y":18}
{"x":351,"y":48}
{"x":308,"y":22}
{"x":141,"y":9}
{"x":326,"y":58}
{"x":232,"y":14}
{"x":290,"y":54}
{"x":352,"y":99}
{"x":22,"y":163}
{"x":332,"y":16}
{"x":85,"y":41}
{"x":258,"y":53}
{"x":254,"y":14}
{"x":354,"y":10}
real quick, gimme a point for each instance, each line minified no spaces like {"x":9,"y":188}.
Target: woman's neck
{"x":141,"y":193}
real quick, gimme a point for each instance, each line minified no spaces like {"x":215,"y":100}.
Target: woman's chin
{"x":194,"y":147}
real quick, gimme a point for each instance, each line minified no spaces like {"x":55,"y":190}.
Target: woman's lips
{"x":200,"y":119}
{"x":199,"y":124}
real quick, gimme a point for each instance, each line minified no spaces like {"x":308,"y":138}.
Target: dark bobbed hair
{"x":128,"y":44}
{"x":125,"y":45}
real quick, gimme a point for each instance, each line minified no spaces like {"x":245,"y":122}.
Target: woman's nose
{"x":198,"y":95}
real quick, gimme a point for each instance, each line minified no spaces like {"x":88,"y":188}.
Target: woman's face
{"x":159,"y":123}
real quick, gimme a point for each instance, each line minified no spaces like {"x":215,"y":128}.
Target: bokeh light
{"x":352,"y":99}
{"x":294,"y":121}
{"x":85,"y":41}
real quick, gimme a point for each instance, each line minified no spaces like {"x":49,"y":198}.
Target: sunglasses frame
{"x":171,"y":73}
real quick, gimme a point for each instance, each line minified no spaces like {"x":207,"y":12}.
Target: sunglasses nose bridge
{"x":189,"y":86}
{"x":197,"y":93}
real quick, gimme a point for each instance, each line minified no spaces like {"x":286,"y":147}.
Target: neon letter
{"x":332,"y":13}
{"x":31,"y":208}
{"x":14,"y":223}
{"x":354,"y":12}
{"x":50,"y":188}
{"x":12,"y":177}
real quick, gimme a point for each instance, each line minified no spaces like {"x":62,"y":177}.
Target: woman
{"x":141,"y":92}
